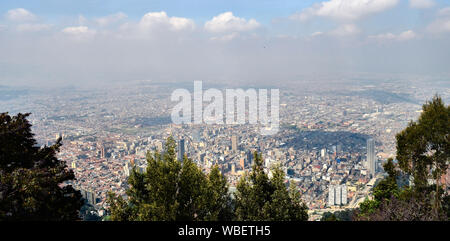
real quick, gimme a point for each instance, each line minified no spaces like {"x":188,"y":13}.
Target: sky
{"x":81,"y":42}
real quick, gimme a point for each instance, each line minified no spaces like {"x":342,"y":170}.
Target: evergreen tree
{"x":329,"y":216}
{"x":192,"y":193}
{"x":382,"y":192}
{"x":423,"y":148}
{"x":423,"y":152}
{"x":32,"y":178}
{"x":260,"y":198}
{"x":345,"y":215}
{"x":220,"y":204}
{"x":172,"y":191}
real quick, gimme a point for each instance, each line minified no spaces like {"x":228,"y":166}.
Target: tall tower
{"x":249,"y":157}
{"x":344,"y":194}
{"x":234,"y":143}
{"x":338,"y":195}
{"x":331,"y":195}
{"x":101,"y":146}
{"x":181,"y":149}
{"x":102,"y":152}
{"x":371,"y":156}
{"x":92,"y":199}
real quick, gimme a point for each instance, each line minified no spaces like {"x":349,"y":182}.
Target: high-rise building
{"x":102,"y":149}
{"x":126,"y":169}
{"x":202,"y":158}
{"x":337,"y":195}
{"x":102,"y":152}
{"x":331,"y":194}
{"x":234,"y":143}
{"x":89,"y":196}
{"x":181,"y":149}
{"x":344,"y":194}
{"x":371,"y":156}
{"x":249,"y":156}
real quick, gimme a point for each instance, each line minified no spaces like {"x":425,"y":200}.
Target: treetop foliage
{"x":171,"y":190}
{"x":31,"y":177}
{"x":423,"y":152}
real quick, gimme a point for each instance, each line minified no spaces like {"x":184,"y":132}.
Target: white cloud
{"x":111,"y":19}
{"x":227,"y":22}
{"x":345,"y":9}
{"x":181,"y":23}
{"x":440,"y":26}
{"x":442,"y":23}
{"x":161,"y":20}
{"x":20,"y":15}
{"x":384,"y":36}
{"x":79,"y":31}
{"x":227,"y":37}
{"x":27,"y":27}
{"x":345,"y":30}
{"x":407,"y":35}
{"x":404,"y":36}
{"x":316,"y":34}
{"x":421,"y":3}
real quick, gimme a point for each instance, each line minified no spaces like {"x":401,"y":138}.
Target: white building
{"x":331,"y":192}
{"x":337,"y":195}
{"x":344,"y":194}
{"x":371,"y":166}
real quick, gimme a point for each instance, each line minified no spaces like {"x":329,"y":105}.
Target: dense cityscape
{"x":336,"y":132}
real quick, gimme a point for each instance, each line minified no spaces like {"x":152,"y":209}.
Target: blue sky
{"x":266,"y":12}
{"x":263,"y":10}
{"x":81,"y":41}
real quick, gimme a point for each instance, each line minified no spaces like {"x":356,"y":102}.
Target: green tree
{"x":192,"y":192}
{"x":387,"y":187}
{"x":260,"y":198}
{"x":329,"y":216}
{"x":423,"y":153}
{"x":220,"y":203}
{"x":345,"y":215}
{"x":172,"y":191}
{"x":390,"y":203}
{"x":423,"y":148}
{"x":32,"y":178}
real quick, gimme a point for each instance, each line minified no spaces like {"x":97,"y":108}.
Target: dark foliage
{"x":32,"y":178}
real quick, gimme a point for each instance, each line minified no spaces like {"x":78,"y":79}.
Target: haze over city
{"x":87,"y":43}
